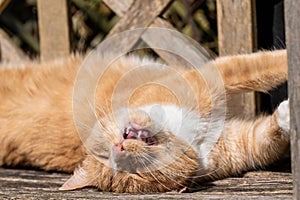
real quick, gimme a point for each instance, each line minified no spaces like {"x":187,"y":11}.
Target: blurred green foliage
{"x":92,"y":20}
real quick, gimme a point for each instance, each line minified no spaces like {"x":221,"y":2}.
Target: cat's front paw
{"x":283,"y":118}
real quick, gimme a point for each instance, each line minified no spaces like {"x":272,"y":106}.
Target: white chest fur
{"x":201,"y":133}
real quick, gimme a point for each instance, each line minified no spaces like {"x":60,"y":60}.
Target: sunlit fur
{"x":37,"y":127}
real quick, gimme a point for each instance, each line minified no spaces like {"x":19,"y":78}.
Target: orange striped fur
{"x":37,"y":127}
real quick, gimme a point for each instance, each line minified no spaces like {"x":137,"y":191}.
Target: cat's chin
{"x":126,"y":155}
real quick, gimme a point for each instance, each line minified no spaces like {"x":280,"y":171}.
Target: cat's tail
{"x":261,"y":71}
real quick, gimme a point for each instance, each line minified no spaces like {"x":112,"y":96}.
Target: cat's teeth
{"x":140,"y":134}
{"x":128,"y":130}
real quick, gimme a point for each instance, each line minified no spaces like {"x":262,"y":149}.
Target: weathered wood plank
{"x":121,"y":7}
{"x":3,"y":4}
{"x":54,"y":28}
{"x":180,"y":43}
{"x":134,"y":18}
{"x":237,"y":35}
{"x":292,"y":14}
{"x":10,"y":53}
{"x":28,"y":184}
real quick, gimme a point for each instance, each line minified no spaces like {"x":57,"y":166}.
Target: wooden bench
{"x":236,"y":23}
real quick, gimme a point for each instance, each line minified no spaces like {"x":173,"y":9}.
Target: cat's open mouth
{"x":134,"y":131}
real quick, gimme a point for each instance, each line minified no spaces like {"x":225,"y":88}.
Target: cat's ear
{"x":78,"y":180}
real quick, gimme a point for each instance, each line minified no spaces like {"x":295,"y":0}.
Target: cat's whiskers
{"x":89,"y":128}
{"x":157,"y":164}
{"x":84,"y":125}
{"x":101,"y":110}
{"x":154,"y":176}
{"x":166,"y":175}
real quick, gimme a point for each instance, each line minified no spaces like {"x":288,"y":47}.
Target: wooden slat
{"x":10,"y":53}
{"x":3,"y":5}
{"x":121,"y":7}
{"x":134,"y":18}
{"x":237,"y":35}
{"x":54,"y":29}
{"x":292,"y":15}
{"x":169,"y":38}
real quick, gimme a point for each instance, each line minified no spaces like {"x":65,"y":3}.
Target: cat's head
{"x":141,"y":153}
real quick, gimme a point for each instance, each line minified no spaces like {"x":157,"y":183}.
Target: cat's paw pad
{"x":283,"y":118}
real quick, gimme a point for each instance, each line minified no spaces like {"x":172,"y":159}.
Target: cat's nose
{"x":118,"y":149}
{"x":120,"y":145}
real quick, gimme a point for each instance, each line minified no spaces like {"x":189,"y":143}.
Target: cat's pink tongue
{"x":134,"y":131}
{"x":137,"y":134}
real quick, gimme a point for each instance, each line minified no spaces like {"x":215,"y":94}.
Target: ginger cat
{"x":150,"y":139}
